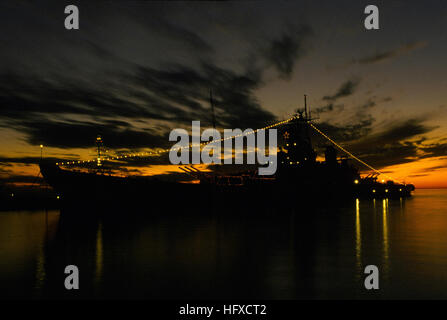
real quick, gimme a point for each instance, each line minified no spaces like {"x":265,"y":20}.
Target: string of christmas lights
{"x":350,"y":154}
{"x":159,"y":152}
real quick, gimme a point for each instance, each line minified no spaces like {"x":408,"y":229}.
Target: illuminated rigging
{"x":161,"y":151}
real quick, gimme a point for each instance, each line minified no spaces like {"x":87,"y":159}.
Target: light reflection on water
{"x":358,"y":239}
{"x":291,"y":254}
{"x":385,"y":262}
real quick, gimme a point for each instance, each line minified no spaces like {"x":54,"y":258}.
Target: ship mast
{"x":305,"y":106}
{"x":98,"y":146}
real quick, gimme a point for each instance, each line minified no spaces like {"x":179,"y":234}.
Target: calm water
{"x":316,"y":254}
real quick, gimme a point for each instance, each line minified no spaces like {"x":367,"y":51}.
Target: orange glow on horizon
{"x":423,"y":173}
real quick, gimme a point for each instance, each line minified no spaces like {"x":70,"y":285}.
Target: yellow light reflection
{"x":358,"y":237}
{"x":385,"y":233}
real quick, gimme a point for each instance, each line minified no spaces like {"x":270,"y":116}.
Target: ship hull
{"x":299,"y":189}
{"x":105,"y":191}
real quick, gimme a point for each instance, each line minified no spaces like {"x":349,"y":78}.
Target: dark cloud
{"x":386,"y":55}
{"x":330,"y":107}
{"x":346,"y":89}
{"x":235,"y":104}
{"x":435,"y":168}
{"x":178,"y":94}
{"x":284,"y":51}
{"x":67,"y":97}
{"x":75,"y":134}
{"x":368,"y":104}
{"x":384,"y":155}
{"x":401,"y":131}
{"x":345,"y":133}
{"x":434,"y":150}
{"x":363,"y":111}
{"x":394,"y":145}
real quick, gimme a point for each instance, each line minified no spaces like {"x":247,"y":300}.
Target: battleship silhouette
{"x":299,"y":176}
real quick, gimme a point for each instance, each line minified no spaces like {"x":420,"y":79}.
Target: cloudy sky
{"x":135,"y":70}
